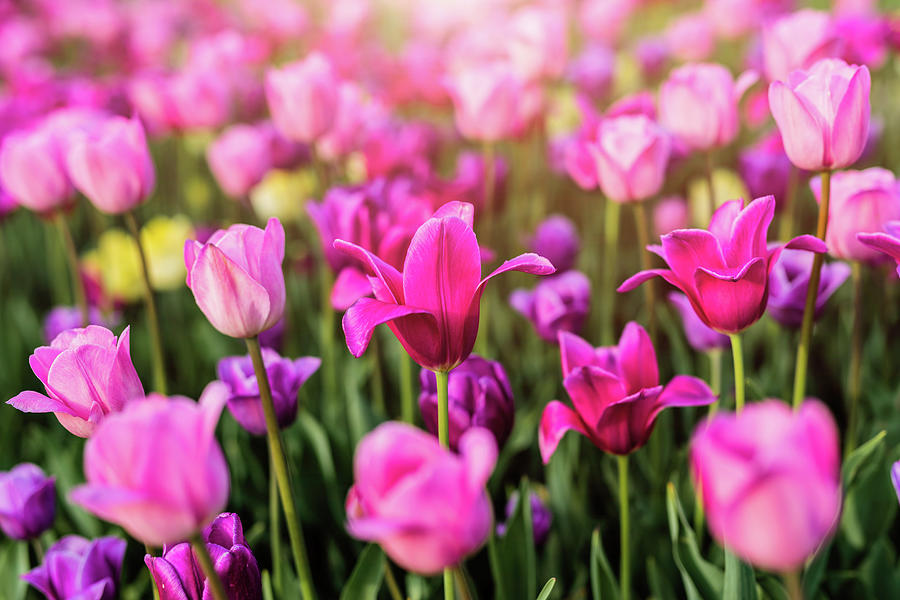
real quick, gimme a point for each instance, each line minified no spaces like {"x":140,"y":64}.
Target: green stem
{"x":793,"y":585}
{"x":612,"y":211}
{"x":38,"y":549}
{"x":811,"y":293}
{"x":448,"y":584}
{"x":159,"y":367}
{"x":855,"y":357}
{"x":715,"y":377}
{"x":624,"y":530}
{"x":739,"y":380}
{"x":710,"y":184}
{"x":206,"y":563}
{"x":407,"y":406}
{"x":788,"y":209}
{"x":376,"y":381}
{"x":462,"y":583}
{"x":327,"y":335}
{"x":443,"y":383}
{"x":393,"y":588}
{"x":74,"y":271}
{"x":276,"y":452}
{"x":640,"y":217}
{"x":275,"y":530}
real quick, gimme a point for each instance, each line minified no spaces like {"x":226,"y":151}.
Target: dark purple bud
{"x":558,"y":303}
{"x":27,"y":501}
{"x":541,"y":517}
{"x":75,"y":567}
{"x":556,"y":239}
{"x":788,"y":282}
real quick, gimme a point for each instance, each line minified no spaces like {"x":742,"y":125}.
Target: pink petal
{"x":575,"y":352}
{"x":642,"y":276}
{"x":685,"y":390}
{"x":688,"y":249}
{"x":801,"y":132}
{"x":478,"y":449}
{"x":271,"y":275}
{"x":592,"y":390}
{"x":555,"y":422}
{"x":391,"y":288}
{"x":807,"y":242}
{"x":361,"y":319}
{"x":748,"y":234}
{"x":851,"y":121}
{"x":526,"y":263}
{"x":351,"y":285}
{"x":722,"y":221}
{"x":731,"y":303}
{"x":637,"y":359}
{"x":882,"y":242}
{"x":33,"y":402}
{"x":460,"y":210}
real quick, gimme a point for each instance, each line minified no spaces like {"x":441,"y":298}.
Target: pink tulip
{"x":615,"y":392}
{"x":865,"y":38}
{"x":593,"y":71}
{"x":537,"y":42}
{"x":239,"y":158}
{"x":724,"y":271}
{"x":156,"y":468}
{"x":486,"y":101}
{"x":432,"y":306}
{"x":425,"y":505}
{"x":631,"y":153}
{"x":690,"y":37}
{"x":199,"y":99}
{"x":770,"y":481}
{"x":823,"y":114}
{"x":236,"y":277}
{"x":111,"y":164}
{"x":796,"y":41}
{"x":861,"y":201}
{"x":87,"y":374}
{"x":605,"y":20}
{"x":699,"y":104}
{"x":303,"y":97}
{"x":887,"y":242}
{"x":734,"y":18}
{"x":652,"y":54}
{"x":669,"y":214}
{"x":32,"y":169}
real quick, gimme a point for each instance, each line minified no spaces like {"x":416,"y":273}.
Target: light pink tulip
{"x":796,"y":41}
{"x":303,"y":97}
{"x":87,"y":374}
{"x":425,"y":505}
{"x":823,"y":114}
{"x":236,"y":277}
{"x":605,"y":20}
{"x":486,"y":101}
{"x":669,"y":214}
{"x":690,"y":37}
{"x":631,"y":153}
{"x":770,"y":481}
{"x":239,"y":158}
{"x":156,"y":468}
{"x":537,"y":42}
{"x":200,"y":99}
{"x":32,"y":169}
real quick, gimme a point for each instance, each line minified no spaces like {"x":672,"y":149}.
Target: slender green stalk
{"x":855,"y":358}
{"x":612,"y":211}
{"x":276,"y":452}
{"x":393,"y":588}
{"x":443,"y":383}
{"x":793,"y":585}
{"x":640,"y":217}
{"x":407,"y":406}
{"x":159,"y":367}
{"x":788,"y":209}
{"x":38,"y":549}
{"x":327,"y":335}
{"x":715,"y":377}
{"x":739,"y":380}
{"x":710,"y":184}
{"x":448,"y":584}
{"x":206,"y":563}
{"x":275,"y":531}
{"x":809,"y":310}
{"x":624,"y":530}
{"x":74,"y":271}
{"x":376,"y":382}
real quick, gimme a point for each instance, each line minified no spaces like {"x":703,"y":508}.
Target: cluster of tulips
{"x":261,"y":152}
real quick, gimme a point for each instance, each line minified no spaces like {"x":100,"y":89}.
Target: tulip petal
{"x":555,"y":422}
{"x":478,"y":449}
{"x":882,"y":242}
{"x":271,"y":275}
{"x":642,"y":276}
{"x":351,"y":285}
{"x":748,"y":233}
{"x":626,"y":424}
{"x":731,"y":303}
{"x":851,"y":121}
{"x":807,"y":242}
{"x":361,"y":319}
{"x":687,"y":249}
{"x":722,"y":220}
{"x":33,"y":402}
{"x":592,"y":390}
{"x":460,"y":210}
{"x":637,"y":359}
{"x":526,"y":263}
{"x":801,"y":132}
{"x":391,"y":288}
{"x":166,"y":577}
{"x":575,"y":352}
{"x":685,"y":390}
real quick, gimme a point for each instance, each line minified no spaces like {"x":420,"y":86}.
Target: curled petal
{"x":555,"y":422}
{"x":637,"y":359}
{"x":804,"y":142}
{"x":685,"y":390}
{"x":851,"y":121}
{"x":361,"y":319}
{"x":731,"y":303}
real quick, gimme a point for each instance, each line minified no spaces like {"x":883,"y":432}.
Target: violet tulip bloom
{"x":631,"y":154}
{"x":724,"y":271}
{"x":887,"y":242}
{"x":178,"y":574}
{"x":765,"y":168}
{"x":861,"y":201}
{"x":541,"y":517}
{"x":770,"y":481}
{"x":425,"y":505}
{"x":823,"y":114}
{"x":615,"y":392}
{"x":61,"y":318}
{"x":110,"y":164}
{"x":433,"y":305}
{"x":788,"y":283}
{"x":303,"y":97}
{"x":156,"y":469}
{"x":479,"y":396}
{"x":27,"y":501}
{"x":33,"y":171}
{"x":87,"y":374}
{"x":796,"y":41}
{"x":700,"y":337}
{"x":557,"y":240}
{"x":286,"y":377}
{"x":78,"y":568}
{"x":236,"y":277}
{"x":558,"y":303}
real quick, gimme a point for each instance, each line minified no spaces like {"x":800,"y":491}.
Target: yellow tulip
{"x":283,"y":194}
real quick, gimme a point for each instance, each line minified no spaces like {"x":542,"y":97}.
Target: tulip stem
{"x":462,"y":584}
{"x":786,"y":226}
{"x":739,"y":379}
{"x":794,"y":587}
{"x":276,"y":452}
{"x":376,"y":381}
{"x":72,"y":256}
{"x":393,"y":588}
{"x":715,"y":377}
{"x":640,"y":217}
{"x":448,"y":584}
{"x":275,"y":530}
{"x":327,"y":341}
{"x":711,"y":185}
{"x":612,"y":211}
{"x":855,"y":357}
{"x":206,"y":563}
{"x":624,"y":530}
{"x":159,"y":368}
{"x":443,"y":391}
{"x":812,"y":290}
{"x":407,"y":408}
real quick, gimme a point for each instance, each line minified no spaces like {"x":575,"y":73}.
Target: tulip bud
{"x":239,"y":158}
{"x":75,"y":567}
{"x":556,"y":239}
{"x":486,"y":101}
{"x":303,"y":97}
{"x":541,"y":517}
{"x":631,"y":154}
{"x":27,"y":501}
{"x":32,"y":169}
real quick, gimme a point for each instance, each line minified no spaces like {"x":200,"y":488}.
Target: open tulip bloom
{"x":433,"y":305}
{"x":724,"y":271}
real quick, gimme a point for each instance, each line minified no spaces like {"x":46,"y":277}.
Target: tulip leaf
{"x":701,"y":578}
{"x":547,"y":589}
{"x":812,"y":578}
{"x":318,"y":439}
{"x":774,"y":590}
{"x":13,"y":563}
{"x":740,"y":582}
{"x":603,"y":583}
{"x":858,"y":458}
{"x":870,"y":501}
{"x":365,"y":580}
{"x":660,"y":585}
{"x":512,"y":556}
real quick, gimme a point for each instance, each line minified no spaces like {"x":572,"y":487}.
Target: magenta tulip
{"x":615,"y":392}
{"x":724,"y":271}
{"x":156,"y":468}
{"x":796,"y":41}
{"x":236,"y":278}
{"x":887,"y":242}
{"x":303,"y":97}
{"x":111,"y":165}
{"x":432,"y":306}
{"x":895,"y":478}
{"x":770,"y":481}
{"x":592,"y":71}
{"x":425,"y":505}
{"x":87,"y":374}
{"x":823,"y":114}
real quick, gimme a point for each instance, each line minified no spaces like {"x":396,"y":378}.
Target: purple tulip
{"x":541,"y":517}
{"x":87,"y":374}
{"x":652,"y":54}
{"x":789,"y":280}
{"x":699,"y":335}
{"x":76,"y":568}
{"x":61,"y":318}
{"x":558,"y":303}
{"x":286,"y":376}
{"x":887,"y":242}
{"x":27,"y":501}
{"x":179,"y":576}
{"x":557,"y":240}
{"x":479,"y":396}
{"x":765,"y":168}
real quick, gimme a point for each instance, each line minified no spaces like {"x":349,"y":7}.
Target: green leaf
{"x":603,"y":583}
{"x":740,"y":583}
{"x":812,"y":578}
{"x":858,"y":458}
{"x":701,"y":578}
{"x":548,"y":587}
{"x":365,"y":580}
{"x":660,"y":585}
{"x":13,"y":563}
{"x":870,"y":501}
{"x":512,"y":556}
{"x":773,"y":588}
{"x":315,"y":434}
